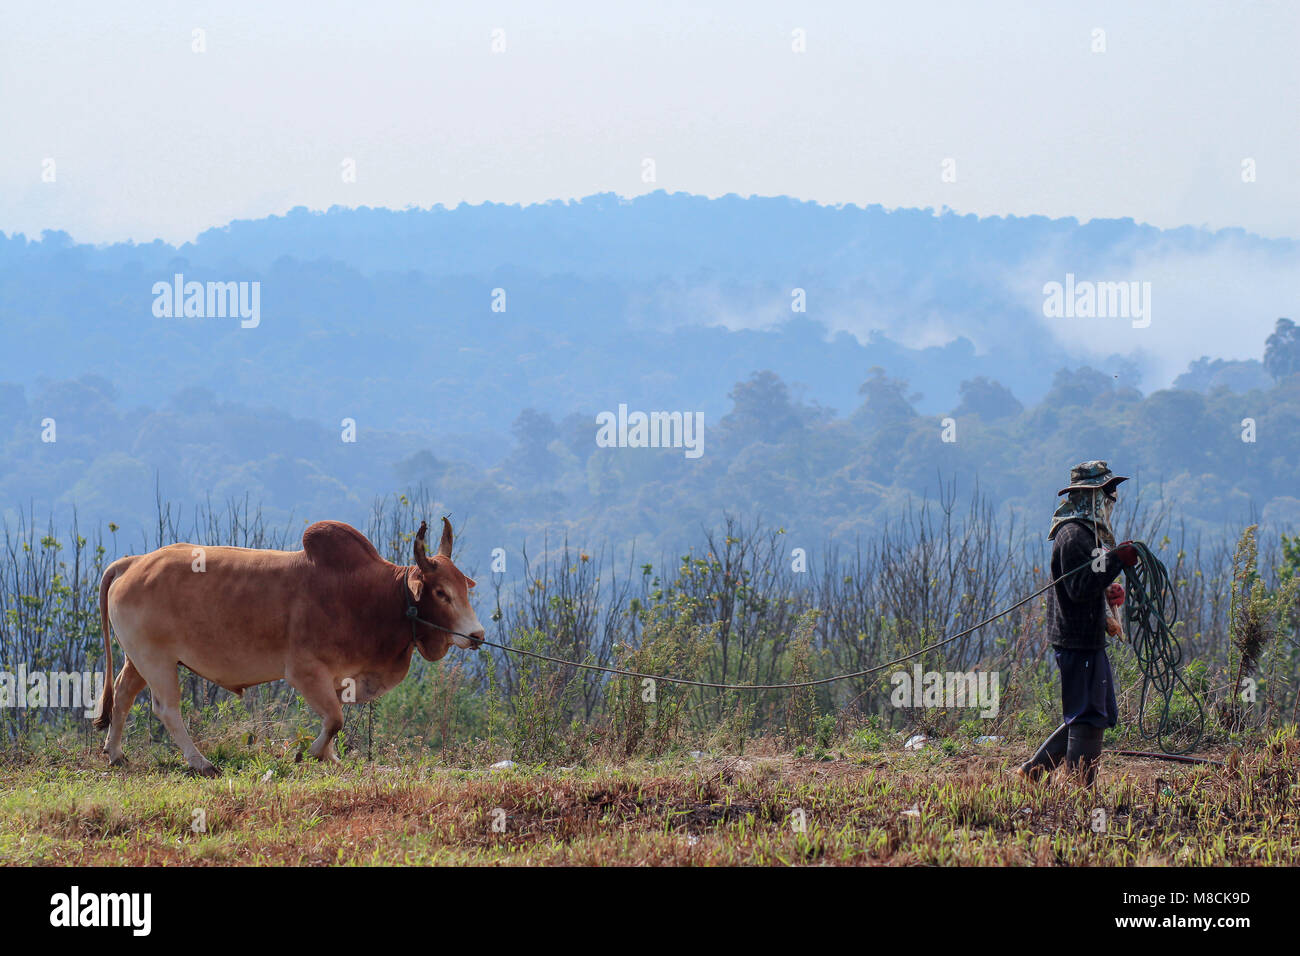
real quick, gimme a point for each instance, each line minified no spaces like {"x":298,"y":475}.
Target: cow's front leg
{"x":316,"y":685}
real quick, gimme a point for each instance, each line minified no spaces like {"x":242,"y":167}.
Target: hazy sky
{"x":150,"y":139}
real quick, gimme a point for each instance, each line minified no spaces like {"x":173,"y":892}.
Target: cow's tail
{"x":104,"y":713}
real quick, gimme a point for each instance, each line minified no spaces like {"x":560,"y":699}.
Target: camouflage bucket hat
{"x":1090,"y":475}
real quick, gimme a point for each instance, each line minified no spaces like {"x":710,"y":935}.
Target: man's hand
{"x":1114,"y":614}
{"x":1126,"y":554}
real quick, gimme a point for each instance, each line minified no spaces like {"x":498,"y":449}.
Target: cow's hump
{"x":338,"y":545}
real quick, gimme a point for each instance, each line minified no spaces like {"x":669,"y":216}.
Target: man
{"x":1077,"y":619}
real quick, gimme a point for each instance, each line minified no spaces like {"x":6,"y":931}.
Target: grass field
{"x":941,"y":806}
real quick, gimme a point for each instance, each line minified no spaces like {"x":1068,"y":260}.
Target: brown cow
{"x":330,"y":618}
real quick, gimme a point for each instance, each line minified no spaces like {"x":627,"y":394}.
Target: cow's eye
{"x":442,"y":595}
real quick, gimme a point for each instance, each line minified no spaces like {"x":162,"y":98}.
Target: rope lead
{"x":805,"y":683}
{"x":1150,"y":596}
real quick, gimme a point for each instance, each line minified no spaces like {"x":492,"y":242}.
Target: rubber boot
{"x":1048,"y":756}
{"x":1084,"y":750}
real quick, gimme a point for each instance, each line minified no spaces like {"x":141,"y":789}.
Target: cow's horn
{"x":421,"y":556}
{"x":444,"y":546}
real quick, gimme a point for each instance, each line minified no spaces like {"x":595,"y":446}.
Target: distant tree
{"x":1083,"y":386}
{"x":1237,"y":375}
{"x":989,"y":400}
{"x":532,"y":459}
{"x":577,"y":433}
{"x":1174,"y":427}
{"x":761,"y":407}
{"x":1282,"y":350}
{"x":884,"y":400}
{"x":422,"y":466}
{"x":533,"y":429}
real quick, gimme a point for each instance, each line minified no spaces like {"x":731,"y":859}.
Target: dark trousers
{"x":1087,"y":688}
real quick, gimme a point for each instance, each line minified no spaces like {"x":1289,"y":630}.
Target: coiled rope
{"x":1150,"y":608}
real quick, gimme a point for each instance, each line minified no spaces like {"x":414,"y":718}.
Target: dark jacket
{"x":1076,"y":608}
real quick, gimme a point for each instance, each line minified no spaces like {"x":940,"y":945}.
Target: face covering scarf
{"x":1092,"y":507}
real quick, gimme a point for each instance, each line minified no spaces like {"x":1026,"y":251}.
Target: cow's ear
{"x":470,"y":582}
{"x":415,"y":585}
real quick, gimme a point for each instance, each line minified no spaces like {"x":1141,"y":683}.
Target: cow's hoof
{"x":118,"y":761}
{"x":206,"y":770}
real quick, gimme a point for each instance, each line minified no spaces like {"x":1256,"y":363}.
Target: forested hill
{"x":661,"y":300}
{"x":473,"y":349}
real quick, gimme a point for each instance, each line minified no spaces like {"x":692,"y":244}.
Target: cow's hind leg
{"x":126,"y":688}
{"x":317,"y":687}
{"x":165,"y":686}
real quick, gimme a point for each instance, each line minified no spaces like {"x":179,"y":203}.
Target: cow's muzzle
{"x":470,"y":640}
